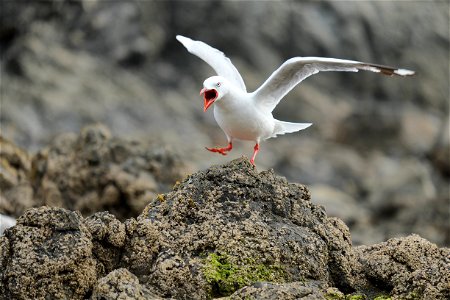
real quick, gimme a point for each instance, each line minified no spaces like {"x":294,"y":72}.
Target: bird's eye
{"x":218,"y":84}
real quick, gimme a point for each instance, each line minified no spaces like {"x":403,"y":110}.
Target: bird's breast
{"x":245,"y":122}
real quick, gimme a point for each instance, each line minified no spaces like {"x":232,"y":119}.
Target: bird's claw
{"x":222,"y":151}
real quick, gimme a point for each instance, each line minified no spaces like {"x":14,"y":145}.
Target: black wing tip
{"x":390,"y":71}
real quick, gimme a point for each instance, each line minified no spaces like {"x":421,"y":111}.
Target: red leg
{"x":256,"y":150}
{"x":222,"y":151}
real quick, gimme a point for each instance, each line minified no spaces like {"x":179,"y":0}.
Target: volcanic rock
{"x":230,"y":226}
{"x":226,"y":231}
{"x":48,"y":254}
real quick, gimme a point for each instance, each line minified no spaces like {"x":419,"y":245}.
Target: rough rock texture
{"x":287,"y":291}
{"x":108,"y":238}
{"x":93,"y":172}
{"x":120,"y":284}
{"x":230,"y":218}
{"x":16,"y":191}
{"x":409,"y":268}
{"x":88,"y":172}
{"x":226,"y":231}
{"x":48,"y":254}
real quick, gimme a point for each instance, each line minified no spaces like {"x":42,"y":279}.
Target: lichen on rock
{"x":227,"y":231}
{"x":231,"y":214}
{"x":225,"y":277}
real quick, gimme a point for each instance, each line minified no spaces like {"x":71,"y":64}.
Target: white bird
{"x":248,"y":116}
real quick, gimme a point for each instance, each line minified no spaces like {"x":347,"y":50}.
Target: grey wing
{"x":296,"y":69}
{"x":215,"y":58}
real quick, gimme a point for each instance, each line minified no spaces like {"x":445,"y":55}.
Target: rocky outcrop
{"x":230,"y":226}
{"x":121,"y":284}
{"x":95,"y":172}
{"x":410,"y":268}
{"x":89,"y":172}
{"x":226,"y":231}
{"x":15,"y":183}
{"x":48,"y":254}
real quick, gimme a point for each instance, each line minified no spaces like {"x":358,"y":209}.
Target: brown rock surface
{"x":225,"y":231}
{"x":287,"y":291}
{"x":231,"y":215}
{"x":48,"y":254}
{"x":121,"y":284}
{"x":409,"y":268}
{"x":94,"y":172}
{"x":16,"y":191}
{"x":108,"y":238}
{"x":89,"y":172}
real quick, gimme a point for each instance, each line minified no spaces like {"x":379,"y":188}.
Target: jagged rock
{"x":230,"y":226}
{"x":16,"y":191}
{"x":88,"y":172}
{"x":288,"y":291}
{"x":108,"y":238}
{"x":48,"y":254}
{"x":408,"y":268}
{"x":94,"y":172}
{"x":121,"y":284}
{"x":226,"y":231}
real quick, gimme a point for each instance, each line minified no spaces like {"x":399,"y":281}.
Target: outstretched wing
{"x":294,"y":70}
{"x":215,"y":58}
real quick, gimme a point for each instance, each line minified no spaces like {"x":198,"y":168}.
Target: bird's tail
{"x":288,"y":127}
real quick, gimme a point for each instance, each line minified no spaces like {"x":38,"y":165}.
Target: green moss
{"x":226,"y":277}
{"x":334,"y":294}
{"x":382,"y":297}
{"x":413,"y":295}
{"x":355,"y":297}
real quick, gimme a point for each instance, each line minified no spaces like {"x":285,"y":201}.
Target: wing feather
{"x":296,"y":69}
{"x":215,"y":58}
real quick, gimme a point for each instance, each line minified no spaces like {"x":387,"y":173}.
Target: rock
{"x":90,"y":172}
{"x":419,"y":130}
{"x":121,"y":284}
{"x":16,"y":191}
{"x":48,"y":254}
{"x":230,"y":226}
{"x":94,"y":172}
{"x":338,"y":204}
{"x":226,"y":231}
{"x":108,"y":238}
{"x":408,"y":268}
{"x":440,"y":152}
{"x":287,"y":291}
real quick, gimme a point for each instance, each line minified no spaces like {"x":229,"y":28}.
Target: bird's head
{"x":214,"y":88}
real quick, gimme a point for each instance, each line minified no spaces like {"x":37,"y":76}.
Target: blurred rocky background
{"x":378,"y":153}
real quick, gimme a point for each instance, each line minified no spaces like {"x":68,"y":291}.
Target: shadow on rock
{"x":226,"y":231}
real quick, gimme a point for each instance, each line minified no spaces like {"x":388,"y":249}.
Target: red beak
{"x":209,"y":96}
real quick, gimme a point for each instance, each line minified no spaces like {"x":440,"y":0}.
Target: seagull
{"x":248,"y":116}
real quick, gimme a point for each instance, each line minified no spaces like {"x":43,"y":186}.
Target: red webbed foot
{"x":223,"y":151}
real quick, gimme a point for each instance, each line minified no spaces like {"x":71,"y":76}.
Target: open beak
{"x":209,"y":96}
